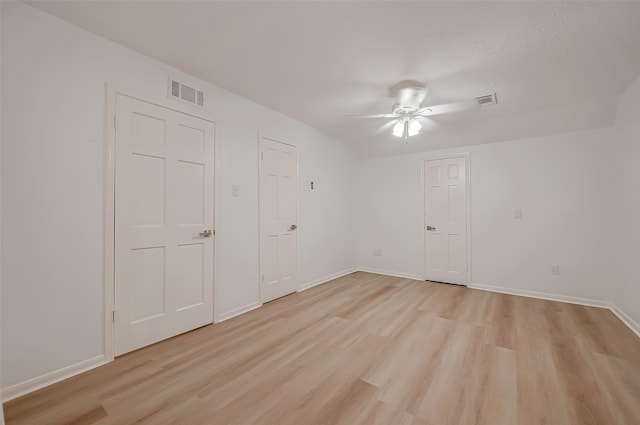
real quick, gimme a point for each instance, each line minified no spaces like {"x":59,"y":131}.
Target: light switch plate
{"x":235,"y":190}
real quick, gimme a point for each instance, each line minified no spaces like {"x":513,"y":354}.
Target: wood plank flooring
{"x":369,"y":349}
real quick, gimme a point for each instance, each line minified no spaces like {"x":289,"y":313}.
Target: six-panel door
{"x":278,"y":214}
{"x":163,"y":205}
{"x":446,"y":220}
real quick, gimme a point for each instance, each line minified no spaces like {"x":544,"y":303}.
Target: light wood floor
{"x":368,"y":349}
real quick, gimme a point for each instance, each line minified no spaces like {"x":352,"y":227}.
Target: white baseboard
{"x":51,"y":378}
{"x":391,"y":273}
{"x":625,"y":318}
{"x":325,"y":279}
{"x":238,"y":311}
{"x":541,"y":295}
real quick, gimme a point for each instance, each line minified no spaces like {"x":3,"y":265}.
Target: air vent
{"x":185,"y":93}
{"x":489,"y":99}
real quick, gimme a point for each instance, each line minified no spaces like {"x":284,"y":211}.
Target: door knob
{"x":206,"y":233}
{"x":293,"y":227}
{"x":431,"y":228}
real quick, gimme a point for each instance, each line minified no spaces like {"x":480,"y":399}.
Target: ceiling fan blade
{"x":427,"y":123}
{"x":372,"y":115}
{"x":446,"y":108}
{"x":386,"y":127}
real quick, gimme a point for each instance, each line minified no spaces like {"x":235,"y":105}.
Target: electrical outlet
{"x":377,"y":252}
{"x":555,"y":270}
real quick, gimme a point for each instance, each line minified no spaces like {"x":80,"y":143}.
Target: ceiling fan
{"x":407,"y":111}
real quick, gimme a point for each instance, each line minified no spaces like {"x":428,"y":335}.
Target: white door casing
{"x":446,"y":220}
{"x":164,"y":203}
{"x":278,"y":219}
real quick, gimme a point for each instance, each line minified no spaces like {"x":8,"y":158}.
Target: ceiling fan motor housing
{"x":409,"y":99}
{"x":403,"y":110}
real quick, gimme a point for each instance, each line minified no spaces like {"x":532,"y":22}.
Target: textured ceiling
{"x":556,"y":66}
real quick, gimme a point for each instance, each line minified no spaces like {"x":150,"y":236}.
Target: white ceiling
{"x":556,"y":66}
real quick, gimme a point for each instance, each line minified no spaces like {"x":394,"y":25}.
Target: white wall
{"x":557,"y":181}
{"x":53,"y":108}
{"x":1,"y":406}
{"x":625,"y":246}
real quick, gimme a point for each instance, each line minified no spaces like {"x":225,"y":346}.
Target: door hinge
{"x":115,"y":122}
{"x":113,"y":316}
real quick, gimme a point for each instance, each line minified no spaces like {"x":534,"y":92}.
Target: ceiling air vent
{"x":185,"y":93}
{"x":489,"y":99}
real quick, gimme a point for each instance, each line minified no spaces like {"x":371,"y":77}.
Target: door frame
{"x":437,"y":157}
{"x":260,"y":137}
{"x":111,"y":93}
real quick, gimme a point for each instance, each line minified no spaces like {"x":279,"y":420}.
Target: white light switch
{"x":517,"y":214}
{"x":235,"y":190}
{"x":555,"y":270}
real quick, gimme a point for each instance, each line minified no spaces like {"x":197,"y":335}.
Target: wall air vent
{"x":486,"y":100}
{"x":185,"y":93}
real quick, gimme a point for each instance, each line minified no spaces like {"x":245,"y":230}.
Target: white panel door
{"x":446,"y":230}
{"x":278,"y":218}
{"x":163,"y":215}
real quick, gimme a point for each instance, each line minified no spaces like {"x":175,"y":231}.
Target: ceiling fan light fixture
{"x":414,"y":127}
{"x":398,"y":129}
